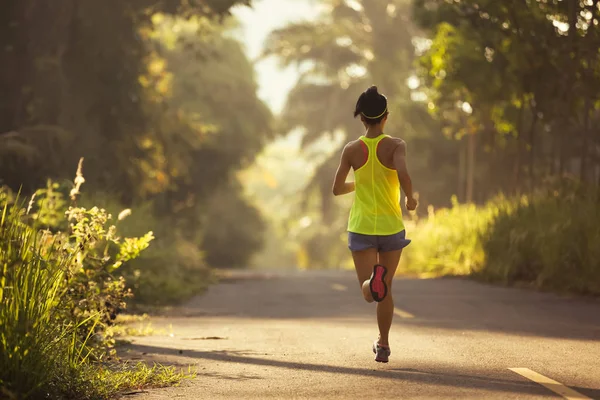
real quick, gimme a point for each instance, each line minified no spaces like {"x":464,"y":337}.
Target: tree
{"x":71,"y":87}
{"x":227,"y":126}
{"x":524,"y":68}
{"x":106,"y":81}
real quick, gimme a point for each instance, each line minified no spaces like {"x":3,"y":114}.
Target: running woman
{"x":376,"y":234}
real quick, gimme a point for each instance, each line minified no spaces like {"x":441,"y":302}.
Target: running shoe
{"x":382,"y":353}
{"x":377,"y":284}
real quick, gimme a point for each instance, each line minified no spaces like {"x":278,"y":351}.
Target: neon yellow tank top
{"x":376,"y":208}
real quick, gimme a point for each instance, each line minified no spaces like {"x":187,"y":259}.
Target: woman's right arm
{"x":340,"y":186}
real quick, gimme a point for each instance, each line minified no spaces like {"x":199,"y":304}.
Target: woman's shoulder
{"x":394,"y":142}
{"x":394,"y":139}
{"x":353,"y":144}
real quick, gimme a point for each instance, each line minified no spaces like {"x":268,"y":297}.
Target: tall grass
{"x":449,"y":241}
{"x":36,"y":346}
{"x":58,"y":292}
{"x":548,"y":240}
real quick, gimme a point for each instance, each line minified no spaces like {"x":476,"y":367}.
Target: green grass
{"x":546,"y":241}
{"x":52,"y":339}
{"x":449,"y":241}
{"x":133,"y":325}
{"x":128,"y":377}
{"x":550,"y":242}
{"x":36,"y":346}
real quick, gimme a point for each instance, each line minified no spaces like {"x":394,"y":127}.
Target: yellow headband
{"x":379,"y":116}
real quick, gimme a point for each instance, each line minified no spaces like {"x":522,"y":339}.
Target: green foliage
{"x":50,"y":206}
{"x":234,"y":231}
{"x":97,"y":253}
{"x":57,"y":296}
{"x":172,"y":269}
{"x":82,"y":88}
{"x":35,"y":344}
{"x":522,"y":78}
{"x":548,"y":241}
{"x":154,"y":127}
{"x":154,"y":138}
{"x":449,"y":241}
{"x":128,"y":376}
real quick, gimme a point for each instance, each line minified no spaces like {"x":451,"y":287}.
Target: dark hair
{"x":372,"y":106}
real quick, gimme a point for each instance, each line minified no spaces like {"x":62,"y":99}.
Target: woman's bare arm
{"x":340,"y":186}
{"x":403,"y":176}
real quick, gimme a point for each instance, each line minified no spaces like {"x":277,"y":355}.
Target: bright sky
{"x":257,"y":22}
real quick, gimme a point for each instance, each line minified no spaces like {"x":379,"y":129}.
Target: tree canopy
{"x":157,"y":98}
{"x":528,"y":72}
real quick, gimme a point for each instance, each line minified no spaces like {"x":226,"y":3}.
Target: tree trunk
{"x":555,"y":156}
{"x":470,"y":166}
{"x":562,"y":152}
{"x":462,"y":157}
{"x":48,"y":40}
{"x":583,"y":172}
{"x":519,"y":131}
{"x":532,"y":150}
{"x":573,"y":11}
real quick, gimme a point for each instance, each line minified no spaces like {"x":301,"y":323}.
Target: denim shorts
{"x":383,"y":243}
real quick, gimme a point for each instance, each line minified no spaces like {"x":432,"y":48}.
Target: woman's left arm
{"x":340,"y":186}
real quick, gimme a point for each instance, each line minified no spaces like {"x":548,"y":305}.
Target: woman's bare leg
{"x":364,"y":261}
{"x":385,"y":308}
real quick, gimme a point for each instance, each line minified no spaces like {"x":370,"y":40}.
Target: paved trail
{"x":309,"y":336}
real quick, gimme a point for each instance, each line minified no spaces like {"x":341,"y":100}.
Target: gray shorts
{"x":359,"y":242}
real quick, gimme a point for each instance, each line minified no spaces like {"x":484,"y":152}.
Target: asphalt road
{"x":309,"y":336}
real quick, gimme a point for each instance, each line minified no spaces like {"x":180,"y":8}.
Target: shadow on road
{"x":452,"y":304}
{"x":425,"y":377}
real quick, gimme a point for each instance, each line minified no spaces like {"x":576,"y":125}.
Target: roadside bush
{"x":449,"y":241}
{"x":548,"y":240}
{"x":58,"y":291}
{"x":173,"y":269}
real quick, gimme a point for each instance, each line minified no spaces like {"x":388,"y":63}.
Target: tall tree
{"x":112,"y":82}
{"x":524,"y":68}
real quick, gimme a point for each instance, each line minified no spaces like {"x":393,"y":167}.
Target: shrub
{"x":171,"y":270}
{"x":449,"y":241}
{"x":548,"y":240}
{"x":58,"y":292}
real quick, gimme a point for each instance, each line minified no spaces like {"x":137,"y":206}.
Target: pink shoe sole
{"x":377,"y":283}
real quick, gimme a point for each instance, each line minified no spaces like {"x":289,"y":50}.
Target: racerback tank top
{"x":376,"y":208}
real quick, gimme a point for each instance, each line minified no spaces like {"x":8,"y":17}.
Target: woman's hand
{"x":411,"y":204}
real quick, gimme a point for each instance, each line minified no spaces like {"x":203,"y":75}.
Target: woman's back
{"x":376,"y":208}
